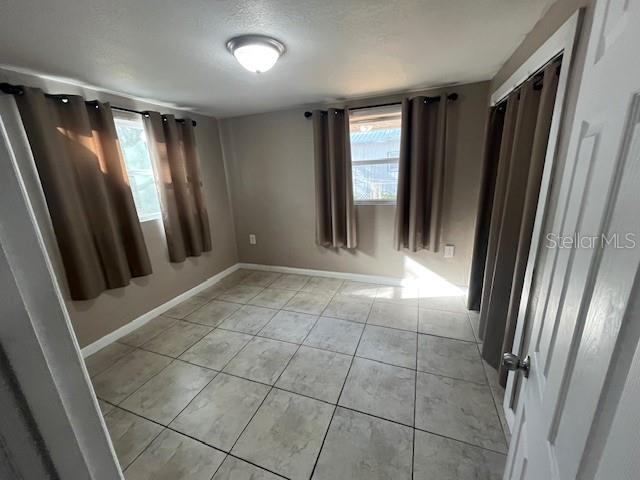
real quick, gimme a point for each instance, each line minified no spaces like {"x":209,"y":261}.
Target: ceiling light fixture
{"x":256,"y":53}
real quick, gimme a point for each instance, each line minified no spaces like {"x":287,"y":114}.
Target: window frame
{"x":136,"y":118}
{"x":379,"y":161}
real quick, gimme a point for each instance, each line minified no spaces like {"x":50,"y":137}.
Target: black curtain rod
{"x":146,"y":114}
{"x":10,"y":89}
{"x":452,"y":96}
{"x":538,"y":80}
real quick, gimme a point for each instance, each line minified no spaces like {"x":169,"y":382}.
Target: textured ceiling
{"x":174,"y":50}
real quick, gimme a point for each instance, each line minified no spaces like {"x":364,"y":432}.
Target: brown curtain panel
{"x":504,"y":164}
{"x":335,"y":210}
{"x":177,"y":171}
{"x":521,"y":161}
{"x":485,"y":203}
{"x":418,"y":222}
{"x":538,"y":154}
{"x":82,"y":172}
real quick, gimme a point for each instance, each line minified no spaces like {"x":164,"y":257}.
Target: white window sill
{"x":375,"y":202}
{"x":150,"y":218}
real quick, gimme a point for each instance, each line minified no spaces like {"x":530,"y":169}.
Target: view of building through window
{"x":133,"y":142}
{"x":375,"y":148}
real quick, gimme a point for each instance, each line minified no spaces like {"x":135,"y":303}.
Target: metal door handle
{"x":513,"y":362}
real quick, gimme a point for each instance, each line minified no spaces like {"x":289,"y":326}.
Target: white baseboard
{"x":357,"y":277}
{"x":431,"y":279}
{"x":142,"y":319}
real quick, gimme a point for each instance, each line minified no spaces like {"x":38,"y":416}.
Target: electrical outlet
{"x":252,"y":239}
{"x":449,"y":251}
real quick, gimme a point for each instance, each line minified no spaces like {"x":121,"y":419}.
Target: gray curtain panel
{"x":335,"y":210}
{"x":538,"y":154}
{"x":177,"y":172}
{"x":525,"y":138}
{"x":485,"y":203}
{"x":499,"y":195}
{"x":82,"y":172}
{"x":418,"y":222}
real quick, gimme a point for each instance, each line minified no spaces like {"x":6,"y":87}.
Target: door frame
{"x":60,"y":421}
{"x":564,"y":41}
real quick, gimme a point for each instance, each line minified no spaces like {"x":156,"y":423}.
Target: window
{"x":375,"y":148}
{"x":133,"y":142}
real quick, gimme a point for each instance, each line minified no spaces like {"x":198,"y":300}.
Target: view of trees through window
{"x":375,"y":148}
{"x":136,"y":156}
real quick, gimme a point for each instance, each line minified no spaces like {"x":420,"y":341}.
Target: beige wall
{"x":95,"y":318}
{"x":555,"y":17}
{"x":269,"y":170}
{"x":269,"y":160}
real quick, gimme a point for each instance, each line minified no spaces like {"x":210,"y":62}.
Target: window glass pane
{"x":145,"y":195}
{"x":375,"y":182}
{"x":375,"y":144}
{"x":375,"y":147}
{"x":138,"y":162}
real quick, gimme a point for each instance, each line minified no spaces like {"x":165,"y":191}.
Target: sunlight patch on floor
{"x":429,"y":283}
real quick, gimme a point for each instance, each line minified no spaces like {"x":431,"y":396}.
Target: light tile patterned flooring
{"x":269,"y":375}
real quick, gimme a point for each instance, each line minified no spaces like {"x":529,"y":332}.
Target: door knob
{"x":513,"y":362}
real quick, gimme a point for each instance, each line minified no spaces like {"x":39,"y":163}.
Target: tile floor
{"x":268,"y":375}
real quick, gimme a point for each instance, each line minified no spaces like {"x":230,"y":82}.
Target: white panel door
{"x":582,"y":326}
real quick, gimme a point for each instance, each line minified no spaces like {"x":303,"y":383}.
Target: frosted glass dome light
{"x":256,"y":53}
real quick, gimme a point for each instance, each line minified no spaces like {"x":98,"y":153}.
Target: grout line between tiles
{"x":493,"y":398}
{"x":415,"y":407}
{"x":445,"y":337}
{"x":114,"y":361}
{"x":319,"y":400}
{"x":192,"y":399}
{"x":145,"y":448}
{"x":166,"y":427}
{"x":334,"y":351}
{"x":174,"y":359}
{"x":224,"y":319}
{"x":459,"y":441}
{"x":254,"y":336}
{"x":211,"y":329}
{"x":435,"y":374}
{"x":315,"y":348}
{"x":149,"y":379}
{"x":272,"y":387}
{"x":335,"y":408}
{"x":120,"y":341}
{"x":343,"y":407}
